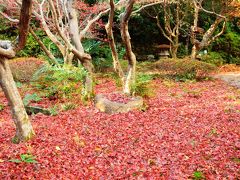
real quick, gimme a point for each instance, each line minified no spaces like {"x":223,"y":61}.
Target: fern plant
{"x":143,"y":86}
{"x":31,"y":97}
{"x":60,"y":82}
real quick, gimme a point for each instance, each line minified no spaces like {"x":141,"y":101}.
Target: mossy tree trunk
{"x":24,"y":130}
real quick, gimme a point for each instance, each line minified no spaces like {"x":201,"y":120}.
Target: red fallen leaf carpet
{"x":187,"y":131}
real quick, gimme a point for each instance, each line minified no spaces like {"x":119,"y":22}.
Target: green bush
{"x":59,"y":82}
{"x":32,"y":47}
{"x":229,"y":45}
{"x":101,"y":54}
{"x":182,"y":51}
{"x":198,"y":175}
{"x":213,"y":58}
{"x":143,"y":86}
{"x":185,"y":69}
{"x":31,"y":97}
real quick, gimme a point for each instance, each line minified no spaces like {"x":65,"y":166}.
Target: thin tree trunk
{"x":25,"y":17}
{"x":174,"y":50}
{"x":108,"y":27}
{"x":75,"y":37}
{"x":44,"y":48}
{"x":193,"y":31}
{"x":194,"y":52}
{"x":24,"y":130}
{"x":124,"y":18}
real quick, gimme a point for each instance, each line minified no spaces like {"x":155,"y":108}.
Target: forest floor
{"x":188,"y":130}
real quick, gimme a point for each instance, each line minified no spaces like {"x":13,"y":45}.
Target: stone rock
{"x":34,"y":110}
{"x":111,"y":107}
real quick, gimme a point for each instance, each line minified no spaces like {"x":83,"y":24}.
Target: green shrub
{"x":101,"y":54}
{"x":213,"y":58}
{"x":24,"y":68}
{"x":59,"y":82}
{"x":229,"y":45}
{"x":143,"y":86}
{"x":182,"y":51}
{"x":32,"y":47}
{"x":31,"y":97}
{"x":185,"y":69}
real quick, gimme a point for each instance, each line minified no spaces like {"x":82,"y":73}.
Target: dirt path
{"x":232,"y":78}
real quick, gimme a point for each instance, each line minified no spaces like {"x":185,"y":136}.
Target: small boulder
{"x":112,"y":107}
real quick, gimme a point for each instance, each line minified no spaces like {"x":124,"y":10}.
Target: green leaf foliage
{"x":31,"y":97}
{"x":27,"y":158}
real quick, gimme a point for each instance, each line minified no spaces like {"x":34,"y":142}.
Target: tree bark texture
{"x":25,"y":17}
{"x":24,"y":130}
{"x":44,"y":48}
{"x":194,"y":30}
{"x":116,"y":64}
{"x":75,"y":37}
{"x":124,"y":18}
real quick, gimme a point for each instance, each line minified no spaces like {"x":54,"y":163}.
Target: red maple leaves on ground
{"x":186,"y":128}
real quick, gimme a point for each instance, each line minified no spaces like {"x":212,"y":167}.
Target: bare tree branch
{"x":147,"y":5}
{"x":211,"y":12}
{"x":9,"y":18}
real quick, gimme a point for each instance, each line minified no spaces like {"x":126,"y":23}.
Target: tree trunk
{"x":75,"y":37}
{"x":194,"y":30}
{"x":174,"y":50}
{"x":124,"y":18}
{"x":44,"y":48}
{"x":208,"y":35}
{"x":25,"y":17}
{"x":108,"y":27}
{"x":194,"y":52}
{"x":24,"y":130}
